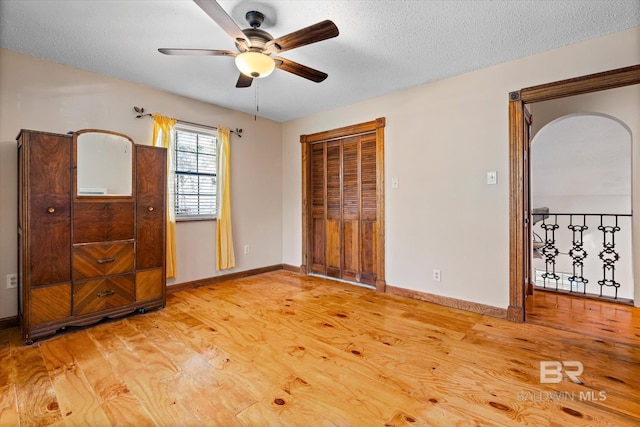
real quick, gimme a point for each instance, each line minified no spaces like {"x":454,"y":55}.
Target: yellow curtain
{"x":224,"y":240}
{"x":163,"y":136}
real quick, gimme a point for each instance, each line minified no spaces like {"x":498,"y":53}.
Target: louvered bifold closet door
{"x":351,"y":209}
{"x":368,"y":209}
{"x":343,"y":208}
{"x":334,"y":209}
{"x":318,"y":209}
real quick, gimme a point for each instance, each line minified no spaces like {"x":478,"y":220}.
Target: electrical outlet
{"x":436,"y":275}
{"x":12,"y":281}
{"x":246,"y":249}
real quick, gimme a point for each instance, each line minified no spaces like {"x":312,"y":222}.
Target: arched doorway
{"x":581,"y":202}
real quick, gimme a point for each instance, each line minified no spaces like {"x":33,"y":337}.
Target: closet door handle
{"x":51,"y":210}
{"x":150,"y":208}
{"x":105,"y":260}
{"x":106,"y":294}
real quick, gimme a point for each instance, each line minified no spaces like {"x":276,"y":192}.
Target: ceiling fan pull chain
{"x":255,"y":116}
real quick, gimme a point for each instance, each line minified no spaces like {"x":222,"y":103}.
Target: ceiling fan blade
{"x":300,"y":70}
{"x":200,"y":52}
{"x":220,"y":16}
{"x":244,"y":81}
{"x":317,"y":32}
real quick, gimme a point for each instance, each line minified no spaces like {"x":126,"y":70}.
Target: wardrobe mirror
{"x":104,"y":163}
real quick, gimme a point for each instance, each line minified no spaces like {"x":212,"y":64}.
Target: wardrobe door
{"x":49,"y":208}
{"x":151,"y":184}
{"x":44,"y":228}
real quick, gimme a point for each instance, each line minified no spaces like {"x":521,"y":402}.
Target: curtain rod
{"x":142,"y":114}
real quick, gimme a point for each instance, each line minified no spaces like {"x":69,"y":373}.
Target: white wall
{"x":42,"y":95}
{"x":440,"y":140}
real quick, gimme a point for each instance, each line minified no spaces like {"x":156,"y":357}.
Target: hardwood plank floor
{"x":284,"y":349}
{"x":609,"y":321}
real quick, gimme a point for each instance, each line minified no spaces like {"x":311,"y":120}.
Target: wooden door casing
{"x":517,"y":101}
{"x":527,"y":249}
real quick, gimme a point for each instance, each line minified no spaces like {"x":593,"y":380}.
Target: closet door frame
{"x":376,"y":126}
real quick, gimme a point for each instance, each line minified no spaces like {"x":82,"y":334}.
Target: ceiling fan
{"x":255,"y":46}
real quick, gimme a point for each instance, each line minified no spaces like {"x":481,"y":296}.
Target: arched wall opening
{"x":581,"y":171}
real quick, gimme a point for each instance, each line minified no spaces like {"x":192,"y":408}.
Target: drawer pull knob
{"x":150,"y":208}
{"x":105,"y":260}
{"x":106,"y":294}
{"x":51,"y":210}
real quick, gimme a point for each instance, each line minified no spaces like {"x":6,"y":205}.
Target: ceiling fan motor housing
{"x":258,"y":38}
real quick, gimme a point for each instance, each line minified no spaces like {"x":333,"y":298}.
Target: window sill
{"x":195,"y":218}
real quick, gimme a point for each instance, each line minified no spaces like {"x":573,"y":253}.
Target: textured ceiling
{"x":383,"y":46}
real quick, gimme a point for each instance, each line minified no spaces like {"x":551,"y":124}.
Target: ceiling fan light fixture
{"x":255,"y":64}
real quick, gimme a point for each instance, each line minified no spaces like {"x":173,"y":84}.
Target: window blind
{"x":195,"y":173}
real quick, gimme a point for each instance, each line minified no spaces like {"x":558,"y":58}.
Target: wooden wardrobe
{"x":85,"y":253}
{"x":344,"y":203}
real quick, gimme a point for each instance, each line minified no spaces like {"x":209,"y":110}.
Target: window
{"x":565,"y":281}
{"x":195,"y":173}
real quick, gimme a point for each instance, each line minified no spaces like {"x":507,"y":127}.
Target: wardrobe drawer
{"x":103,"y":294}
{"x":102,"y":259}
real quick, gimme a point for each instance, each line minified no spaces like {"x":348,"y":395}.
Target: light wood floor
{"x":608,"y":321}
{"x":281,"y":349}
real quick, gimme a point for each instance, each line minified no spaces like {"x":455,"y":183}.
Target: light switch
{"x":492,"y":177}
{"x":395,"y":183}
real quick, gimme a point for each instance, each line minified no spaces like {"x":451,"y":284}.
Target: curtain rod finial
{"x":141,"y":113}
